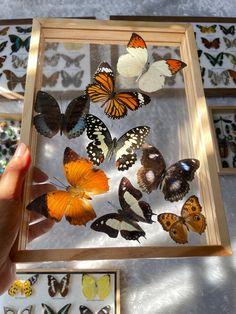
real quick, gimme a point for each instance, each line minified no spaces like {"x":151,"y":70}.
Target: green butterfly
{"x":215,"y":60}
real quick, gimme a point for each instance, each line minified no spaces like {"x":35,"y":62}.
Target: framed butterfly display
{"x":14,"y":48}
{"x":56,"y":292}
{"x":215,"y":38}
{"x":92,"y":154}
{"x":223,"y":123}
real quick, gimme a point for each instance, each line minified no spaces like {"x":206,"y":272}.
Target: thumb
{"x":12,"y":179}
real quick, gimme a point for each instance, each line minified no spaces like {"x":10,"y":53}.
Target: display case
{"x":179,"y":127}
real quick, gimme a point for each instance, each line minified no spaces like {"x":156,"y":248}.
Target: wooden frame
{"x":223,"y":110}
{"x":210,"y":92}
{"x":74,"y":295}
{"x":218,"y":242}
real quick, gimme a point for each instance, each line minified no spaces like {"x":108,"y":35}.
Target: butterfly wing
{"x":85,"y":310}
{"x":66,"y":79}
{"x":154,"y":79}
{"x":3,"y":45}
{"x":175,"y":182}
{"x":8,"y":310}
{"x":53,"y":286}
{"x":89,"y":288}
{"x":153,"y":165}
{"x":127,"y":144}
{"x":48,"y":121}
{"x":101,"y":143}
{"x":103,"y":284}
{"x":27,"y":310}
{"x":15,"y":288}
{"x":77,"y":78}
{"x":49,"y":310}
{"x":131,"y":205}
{"x":105,"y":310}
{"x":64,"y":285}
{"x":191,"y":212}
{"x":74,"y":120}
{"x":16,"y":43}
{"x":133,"y":63}
{"x":175,"y":226}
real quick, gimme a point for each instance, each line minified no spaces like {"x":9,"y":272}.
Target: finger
{"x":13,"y":176}
{"x":39,"y":228}
{"x":39,"y":175}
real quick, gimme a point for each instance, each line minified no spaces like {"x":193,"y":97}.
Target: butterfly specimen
{"x":84,"y":182}
{"x":61,"y":286}
{"x":132,"y":211}
{"x":74,"y":79}
{"x":199,"y":53}
{"x":53,"y":46}
{"x":23,"y":286}
{"x":9,"y":310}
{"x":13,"y":80}
{"x":207,"y":29}
{"x":135,"y":64}
{"x":157,"y":57}
{"x":50,"y":120}
{"x":3,"y":45}
{"x":228,"y":31}
{"x":172,"y":180}
{"x":103,"y":146}
{"x":72,"y":61}
{"x":49,"y":310}
{"x":18,"y":62}
{"x":116,"y":103}
{"x":232,"y":73}
{"x":190,"y":219}
{"x":23,"y":30}
{"x":18,"y":43}
{"x":217,"y":78}
{"x":2,"y":60}
{"x":211,"y":44}
{"x":85,"y":310}
{"x":215,"y":60}
{"x":53,"y":60}
{"x":4,"y":31}
{"x":230,"y":43}
{"x":231,"y":57}
{"x":51,"y":80}
{"x":96,"y":287}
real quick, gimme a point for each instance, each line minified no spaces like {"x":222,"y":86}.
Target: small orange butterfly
{"x":85,"y":181}
{"x":191,"y":219}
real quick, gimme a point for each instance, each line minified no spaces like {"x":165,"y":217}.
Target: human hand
{"x":11,"y":183}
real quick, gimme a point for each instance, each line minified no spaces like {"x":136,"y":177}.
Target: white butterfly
{"x":135,"y":64}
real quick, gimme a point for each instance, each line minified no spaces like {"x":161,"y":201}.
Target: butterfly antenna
{"x":112,"y":205}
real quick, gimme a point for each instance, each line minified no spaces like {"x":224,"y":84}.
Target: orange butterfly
{"x":85,"y":181}
{"x":233,"y":75}
{"x":116,"y":104}
{"x":191,"y":219}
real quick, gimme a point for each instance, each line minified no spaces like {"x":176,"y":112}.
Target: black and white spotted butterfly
{"x":49,"y":310}
{"x":133,"y":210}
{"x":103,"y":146}
{"x":172,"y":180}
{"x":61,"y":286}
{"x":85,"y":310}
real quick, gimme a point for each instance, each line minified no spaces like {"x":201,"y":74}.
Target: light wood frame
{"x":223,"y":110}
{"x":115,"y":272}
{"x":118,"y":32}
{"x":210,"y":92}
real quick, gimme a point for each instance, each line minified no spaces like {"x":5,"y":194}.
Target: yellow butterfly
{"x":23,"y":286}
{"x":92,"y":287}
{"x":191,"y":219}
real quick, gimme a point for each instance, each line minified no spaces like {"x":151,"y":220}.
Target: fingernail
{"x":21,"y":148}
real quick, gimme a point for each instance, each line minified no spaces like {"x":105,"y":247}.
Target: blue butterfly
{"x":50,"y":120}
{"x":17,"y":43}
{"x":49,"y":310}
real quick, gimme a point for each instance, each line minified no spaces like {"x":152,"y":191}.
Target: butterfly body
{"x":126,"y":220}
{"x":115,"y":103}
{"x":84,"y":182}
{"x":50,"y":120}
{"x":151,"y":77}
{"x":173,"y":181}
{"x":103,"y":146}
{"x":191,"y":219}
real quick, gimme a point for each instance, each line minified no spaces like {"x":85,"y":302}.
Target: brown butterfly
{"x":191,"y":219}
{"x":233,"y":75}
{"x":13,"y":80}
{"x":211,"y":44}
{"x":4,"y":31}
{"x":50,"y":80}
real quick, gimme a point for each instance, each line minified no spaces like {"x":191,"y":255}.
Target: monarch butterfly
{"x":116,"y":104}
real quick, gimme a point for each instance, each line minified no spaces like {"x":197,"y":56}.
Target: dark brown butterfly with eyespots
{"x":173,"y":181}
